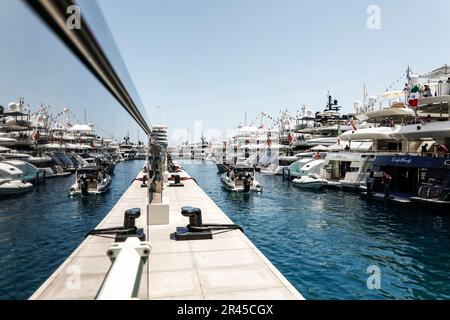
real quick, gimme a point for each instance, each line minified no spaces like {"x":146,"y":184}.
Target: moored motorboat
{"x":11,"y":180}
{"x":241,"y":179}
{"x":313,"y":182}
{"x":90,"y":181}
{"x":30,"y":172}
{"x":13,"y":187}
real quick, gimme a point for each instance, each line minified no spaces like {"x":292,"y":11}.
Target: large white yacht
{"x":160,"y":134}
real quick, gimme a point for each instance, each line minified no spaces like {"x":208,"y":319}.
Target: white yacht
{"x":29,"y":171}
{"x":347,"y":170}
{"x":311,"y":167}
{"x":160,"y":134}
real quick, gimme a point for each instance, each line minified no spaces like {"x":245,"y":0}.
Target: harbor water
{"x":39,"y":230}
{"x":325,"y":242}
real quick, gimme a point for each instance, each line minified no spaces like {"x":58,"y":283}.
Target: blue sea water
{"x":39,"y":230}
{"x":325,"y":242}
{"x":322,"y":242}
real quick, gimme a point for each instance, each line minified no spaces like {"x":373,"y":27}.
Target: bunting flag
{"x":352,"y":122}
{"x":36,"y":136}
{"x":339,"y":134}
{"x":290,"y":138}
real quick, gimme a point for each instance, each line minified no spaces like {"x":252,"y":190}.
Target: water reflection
{"x":39,"y":68}
{"x":324,"y":242}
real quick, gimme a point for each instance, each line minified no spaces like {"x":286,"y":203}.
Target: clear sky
{"x":213,"y":60}
{"x":36,"y":66}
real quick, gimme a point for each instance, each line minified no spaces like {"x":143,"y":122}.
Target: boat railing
{"x":123,"y":280}
{"x":401,"y":153}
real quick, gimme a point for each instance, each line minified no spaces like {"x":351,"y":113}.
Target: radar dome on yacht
{"x":15,"y":107}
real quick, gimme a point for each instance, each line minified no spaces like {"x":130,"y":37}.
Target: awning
{"x":80,"y":127}
{"x":361,"y":146}
{"x":319,"y":148}
{"x":337,"y":147}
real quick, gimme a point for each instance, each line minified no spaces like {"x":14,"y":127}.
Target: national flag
{"x":413,"y":103}
{"x":352,"y":122}
{"x":339,"y":133}
{"x":36,"y":136}
{"x":290,"y":138}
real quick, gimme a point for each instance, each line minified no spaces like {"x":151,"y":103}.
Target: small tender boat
{"x":241,"y":178}
{"x":90,"y":181}
{"x":313,"y":182}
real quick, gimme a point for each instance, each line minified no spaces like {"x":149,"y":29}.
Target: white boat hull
{"x":14,"y":187}
{"x":310,"y":183}
{"x":75,"y":189}
{"x":230,"y":186}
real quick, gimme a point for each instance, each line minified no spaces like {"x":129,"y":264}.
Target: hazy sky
{"x":213,"y":60}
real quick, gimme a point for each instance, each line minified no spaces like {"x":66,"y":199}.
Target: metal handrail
{"x":123,"y":279}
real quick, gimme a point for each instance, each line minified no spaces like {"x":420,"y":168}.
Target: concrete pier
{"x":226,"y":267}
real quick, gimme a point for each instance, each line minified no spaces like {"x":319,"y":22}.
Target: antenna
{"x":364,"y":94}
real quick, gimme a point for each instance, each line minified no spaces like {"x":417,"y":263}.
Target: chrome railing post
{"x":122,"y":282}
